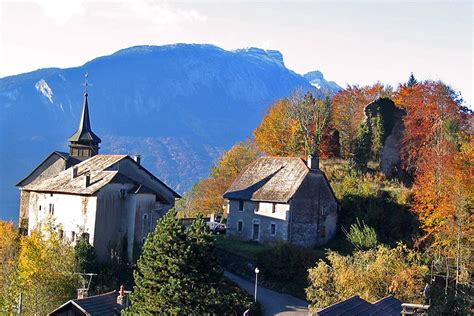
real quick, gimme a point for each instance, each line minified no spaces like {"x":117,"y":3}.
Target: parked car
{"x":217,"y":228}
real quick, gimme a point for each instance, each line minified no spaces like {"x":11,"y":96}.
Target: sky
{"x":351,"y":42}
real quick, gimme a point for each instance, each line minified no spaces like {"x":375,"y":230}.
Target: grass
{"x":246,"y":249}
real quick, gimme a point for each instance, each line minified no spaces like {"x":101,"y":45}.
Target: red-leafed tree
{"x":348,"y":111}
{"x":431,"y":107}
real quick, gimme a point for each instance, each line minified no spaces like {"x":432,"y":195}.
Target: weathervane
{"x":86,"y":82}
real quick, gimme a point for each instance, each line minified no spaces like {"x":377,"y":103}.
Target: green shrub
{"x":361,"y":236}
{"x":285,"y":267}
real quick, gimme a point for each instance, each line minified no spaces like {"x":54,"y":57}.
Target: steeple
{"x":84,"y":143}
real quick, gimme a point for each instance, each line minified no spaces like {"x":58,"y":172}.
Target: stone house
{"x":110,"y":199}
{"x":282,"y":198}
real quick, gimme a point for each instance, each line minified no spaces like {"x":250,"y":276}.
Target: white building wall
{"x":74,"y":213}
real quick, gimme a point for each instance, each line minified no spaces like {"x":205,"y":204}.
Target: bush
{"x":285,"y":267}
{"x":361,"y":236}
{"x":371,"y":274}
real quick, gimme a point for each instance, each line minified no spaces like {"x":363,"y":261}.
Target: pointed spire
{"x":84,"y":131}
{"x":84,"y":142}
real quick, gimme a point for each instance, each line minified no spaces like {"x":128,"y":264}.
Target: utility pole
{"x":256,"y":282}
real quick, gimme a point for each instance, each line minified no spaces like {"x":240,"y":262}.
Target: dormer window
{"x":241,"y":205}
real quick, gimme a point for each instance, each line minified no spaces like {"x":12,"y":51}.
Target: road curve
{"x":271,"y":302}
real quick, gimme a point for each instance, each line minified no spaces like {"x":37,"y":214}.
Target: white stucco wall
{"x":74,"y":213}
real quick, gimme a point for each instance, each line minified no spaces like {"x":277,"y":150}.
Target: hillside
{"x":179,"y":106}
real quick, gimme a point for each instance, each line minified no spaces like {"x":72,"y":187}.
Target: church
{"x":112,"y":200}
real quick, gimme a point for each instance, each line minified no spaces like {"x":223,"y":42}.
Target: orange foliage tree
{"x":430,"y":106}
{"x":206,"y":196}
{"x":277,"y":135}
{"x":348,"y":111}
{"x":296,"y":127}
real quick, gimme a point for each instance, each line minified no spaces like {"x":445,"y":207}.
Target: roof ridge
{"x":94,"y":296}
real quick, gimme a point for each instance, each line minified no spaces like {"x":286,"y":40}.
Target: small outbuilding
{"x":282,"y":198}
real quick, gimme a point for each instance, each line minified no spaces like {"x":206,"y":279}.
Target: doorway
{"x":256,"y":232}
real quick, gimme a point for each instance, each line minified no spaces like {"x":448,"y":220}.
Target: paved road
{"x":272,"y":303}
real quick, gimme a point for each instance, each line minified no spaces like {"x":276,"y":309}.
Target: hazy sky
{"x":349,"y":41}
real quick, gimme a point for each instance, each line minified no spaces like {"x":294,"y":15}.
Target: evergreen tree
{"x":85,"y":256}
{"x":362,"y":147}
{"x":177,"y":272}
{"x":412,"y":80}
{"x":377,"y":130}
{"x":206,"y":273}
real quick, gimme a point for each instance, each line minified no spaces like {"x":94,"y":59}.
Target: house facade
{"x":112,"y":200}
{"x":282,"y":198}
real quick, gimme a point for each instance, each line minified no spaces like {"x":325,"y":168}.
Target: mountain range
{"x":179,"y":106}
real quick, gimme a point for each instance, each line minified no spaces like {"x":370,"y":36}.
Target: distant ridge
{"x":179,"y":106}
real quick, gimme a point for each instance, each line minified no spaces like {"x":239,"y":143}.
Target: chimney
{"x":313,"y":162}
{"x":137,"y":158}
{"x":74,"y":172}
{"x":82,"y":293}
{"x":122,"y":298}
{"x":87,"y":180}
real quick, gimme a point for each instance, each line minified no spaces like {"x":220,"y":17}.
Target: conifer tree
{"x":85,"y":256}
{"x":362,"y":147}
{"x":412,"y":80}
{"x":177,"y":273}
{"x":377,"y":136}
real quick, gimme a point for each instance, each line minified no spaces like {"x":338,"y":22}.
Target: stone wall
{"x":313,"y":216}
{"x":263,"y":217}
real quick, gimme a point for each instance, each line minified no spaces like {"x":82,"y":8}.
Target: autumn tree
{"x":297,"y":126}
{"x":443,"y":201}
{"x":45,"y":270}
{"x":372,"y":274}
{"x":348,"y":111}
{"x":9,"y":248}
{"x":312,"y":117}
{"x":431,"y":106}
{"x":206,"y":196}
{"x":277,"y":135}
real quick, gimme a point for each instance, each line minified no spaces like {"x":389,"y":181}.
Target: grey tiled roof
{"x":97,"y":305}
{"x":355,"y":305}
{"x":104,"y":304}
{"x":96,"y":167}
{"x":272,"y":179}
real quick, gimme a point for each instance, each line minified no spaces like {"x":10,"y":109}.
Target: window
{"x":51,"y":194}
{"x":240,"y":226}
{"x":145,"y":216}
{"x":51,"y":209}
{"x":40,"y":207}
{"x":241,"y":205}
{"x":273,"y":207}
{"x":143,"y":240}
{"x":73,"y":235}
{"x":61,"y":234}
{"x":324,"y":210}
{"x":273,"y":229}
{"x":257,"y":207}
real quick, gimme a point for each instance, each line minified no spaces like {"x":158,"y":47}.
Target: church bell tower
{"x":84,"y":143}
